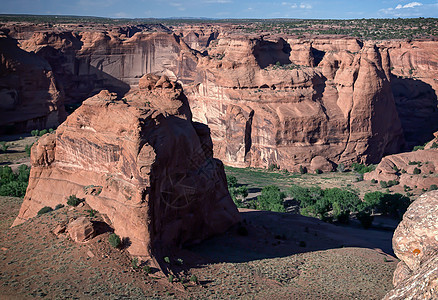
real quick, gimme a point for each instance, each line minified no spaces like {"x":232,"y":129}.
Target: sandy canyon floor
{"x":281,"y":255}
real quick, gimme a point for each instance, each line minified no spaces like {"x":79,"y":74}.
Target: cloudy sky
{"x":309,"y":9}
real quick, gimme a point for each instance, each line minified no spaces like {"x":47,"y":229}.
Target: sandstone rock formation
{"x":268,"y":99}
{"x":140,"y":161}
{"x":29,"y":95}
{"x":264,"y":108}
{"x":409,"y":168}
{"x":415,"y":244}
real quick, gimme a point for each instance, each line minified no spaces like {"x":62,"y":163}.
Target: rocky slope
{"x":415,"y":244}
{"x":416,"y":168}
{"x":140,"y":161}
{"x":268,"y":99}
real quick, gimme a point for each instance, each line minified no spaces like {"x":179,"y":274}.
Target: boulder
{"x":81,"y":230}
{"x":321,"y":163}
{"x":415,"y":244}
{"x":140,"y":161}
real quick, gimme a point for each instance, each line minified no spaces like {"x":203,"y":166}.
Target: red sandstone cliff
{"x":339,"y":98}
{"x":29,"y":94}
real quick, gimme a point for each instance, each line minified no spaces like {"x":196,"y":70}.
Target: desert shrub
{"x":392,"y":183}
{"x":114,"y":240}
{"x":42,"y":132}
{"x":147,"y":269}
{"x":273,"y":167}
{"x":28,"y":148}
{"x":361,"y":168}
{"x":34,"y":132}
{"x":359,"y":177}
{"x":44,"y":210}
{"x":434,"y":145}
{"x":134,"y":263}
{"x":395,"y":168}
{"x":73,"y":200}
{"x":51,"y":130}
{"x":59,"y":206}
{"x":414,"y":163}
{"x":166,"y":259}
{"x":303,"y":170}
{"x":194,"y":279}
{"x":383,"y":184}
{"x":231,"y":181}
{"x":433,"y":187}
{"x":14,"y":184}
{"x":374,"y":181}
{"x":271,"y":198}
{"x":418,"y":148}
{"x":318,"y":171}
{"x":340,"y":168}
{"x":238,"y":193}
{"x":417,"y":171}
{"x":3,"y":147}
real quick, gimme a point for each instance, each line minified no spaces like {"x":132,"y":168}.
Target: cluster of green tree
{"x":334,"y":204}
{"x":330,"y":205}
{"x":14,"y":184}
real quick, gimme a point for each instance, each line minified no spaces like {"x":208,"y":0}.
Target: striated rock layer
{"x":415,"y":244}
{"x":268,"y":99}
{"x":141,"y":161}
{"x":285,"y":102}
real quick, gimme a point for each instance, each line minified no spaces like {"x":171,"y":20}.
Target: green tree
{"x":271,"y":198}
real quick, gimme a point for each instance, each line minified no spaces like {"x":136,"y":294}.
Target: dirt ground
{"x":284,"y":256}
{"x":270,"y":255}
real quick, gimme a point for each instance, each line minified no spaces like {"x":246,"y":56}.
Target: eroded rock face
{"x":29,"y":95}
{"x":415,"y":244}
{"x":264,"y":108}
{"x":268,"y":99}
{"x":140,"y":161}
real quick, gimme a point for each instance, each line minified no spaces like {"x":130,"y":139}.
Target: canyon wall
{"x":29,"y":94}
{"x":267,"y":99}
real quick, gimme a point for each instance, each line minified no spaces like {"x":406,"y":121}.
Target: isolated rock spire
{"x":139,"y":160}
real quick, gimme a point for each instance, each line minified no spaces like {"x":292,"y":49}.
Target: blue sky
{"x":308,"y":9}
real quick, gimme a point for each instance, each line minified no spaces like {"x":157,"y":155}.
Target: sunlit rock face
{"x":415,"y":244}
{"x":140,"y":161}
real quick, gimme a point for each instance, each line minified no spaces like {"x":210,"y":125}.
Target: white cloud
{"x":178,"y":5}
{"x":409,"y":5}
{"x":294,"y":5}
{"x":217,"y":1}
{"x":305,"y":6}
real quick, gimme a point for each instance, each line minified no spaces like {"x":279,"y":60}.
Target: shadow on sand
{"x":271,"y":235}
